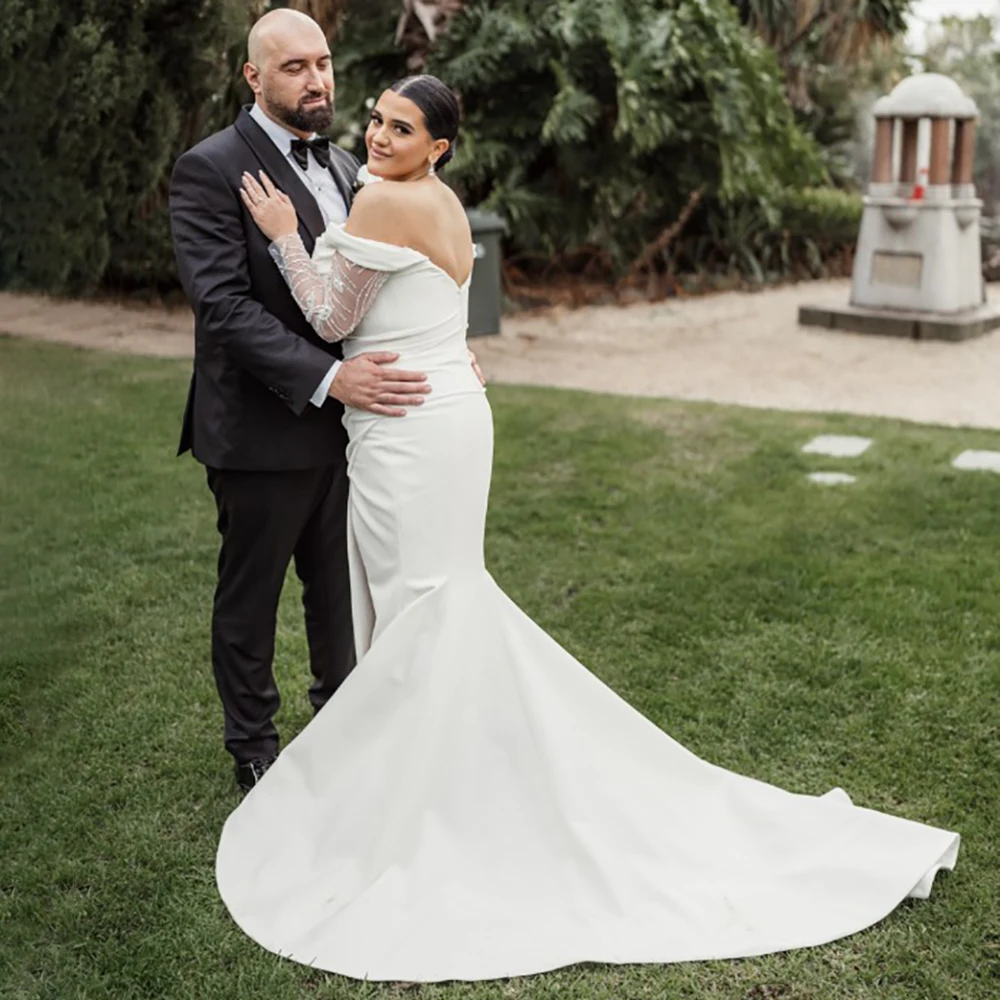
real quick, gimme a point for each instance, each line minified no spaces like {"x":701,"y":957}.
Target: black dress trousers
{"x":266,"y":518}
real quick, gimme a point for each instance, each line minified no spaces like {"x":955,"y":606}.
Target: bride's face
{"x":399,"y":146}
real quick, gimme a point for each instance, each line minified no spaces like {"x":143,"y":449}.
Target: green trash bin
{"x":485,"y":297}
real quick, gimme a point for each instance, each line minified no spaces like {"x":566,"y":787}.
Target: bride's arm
{"x":334,"y":303}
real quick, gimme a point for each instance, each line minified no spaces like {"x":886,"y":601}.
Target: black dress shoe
{"x":248,"y":774}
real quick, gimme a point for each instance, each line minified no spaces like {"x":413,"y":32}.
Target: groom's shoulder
{"x":211,"y":161}
{"x":218,"y":144}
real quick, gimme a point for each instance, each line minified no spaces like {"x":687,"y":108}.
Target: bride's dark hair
{"x":439,"y":106}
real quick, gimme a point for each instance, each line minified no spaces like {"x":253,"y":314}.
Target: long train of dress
{"x":473,"y":803}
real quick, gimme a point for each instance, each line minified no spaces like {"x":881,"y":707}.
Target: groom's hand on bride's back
{"x":367,"y":383}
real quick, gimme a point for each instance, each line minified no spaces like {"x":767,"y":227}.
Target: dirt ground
{"x":735,"y":347}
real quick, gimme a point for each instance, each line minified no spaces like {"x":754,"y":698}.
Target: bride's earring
{"x":432,"y":170}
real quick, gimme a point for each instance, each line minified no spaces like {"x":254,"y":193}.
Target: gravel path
{"x":735,"y":347}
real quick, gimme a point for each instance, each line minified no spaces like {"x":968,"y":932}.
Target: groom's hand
{"x":476,"y":368}
{"x":366,"y":383}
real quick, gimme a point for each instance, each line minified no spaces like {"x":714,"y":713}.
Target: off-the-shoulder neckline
{"x":342,"y":229}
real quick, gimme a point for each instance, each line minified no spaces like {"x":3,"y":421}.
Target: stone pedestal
{"x":901,"y":323}
{"x":919,"y":255}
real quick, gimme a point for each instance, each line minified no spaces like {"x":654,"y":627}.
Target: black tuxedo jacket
{"x":257,"y":361}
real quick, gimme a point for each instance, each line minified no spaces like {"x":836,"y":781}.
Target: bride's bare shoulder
{"x":403,"y":213}
{"x":380,"y":212}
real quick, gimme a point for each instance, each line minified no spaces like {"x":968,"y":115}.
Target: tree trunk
{"x":328,"y":14}
{"x":832,"y":31}
{"x":421,"y":23}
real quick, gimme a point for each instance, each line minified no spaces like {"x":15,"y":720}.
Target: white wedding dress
{"x":473,"y":803}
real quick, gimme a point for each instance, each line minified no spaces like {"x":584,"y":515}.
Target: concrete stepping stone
{"x":986,"y":461}
{"x":831,"y":478}
{"x":837,"y":446}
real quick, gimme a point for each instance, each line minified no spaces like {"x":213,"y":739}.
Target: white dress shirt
{"x":320,"y":183}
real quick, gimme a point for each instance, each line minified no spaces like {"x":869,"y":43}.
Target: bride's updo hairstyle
{"x":439,"y":106}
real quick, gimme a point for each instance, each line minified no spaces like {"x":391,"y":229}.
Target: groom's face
{"x":293,"y":79}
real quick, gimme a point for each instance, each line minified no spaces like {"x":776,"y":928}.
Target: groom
{"x":267,"y":395}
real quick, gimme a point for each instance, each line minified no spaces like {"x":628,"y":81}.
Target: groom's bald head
{"x":289,"y":70}
{"x":281,"y":31}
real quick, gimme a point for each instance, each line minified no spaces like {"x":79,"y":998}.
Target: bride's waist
{"x":428,"y":349}
{"x":446,"y":378}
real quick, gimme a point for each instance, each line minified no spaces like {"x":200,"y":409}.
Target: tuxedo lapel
{"x":344,"y":172}
{"x":280,"y":170}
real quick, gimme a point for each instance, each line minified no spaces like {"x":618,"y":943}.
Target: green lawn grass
{"x":808,"y":636}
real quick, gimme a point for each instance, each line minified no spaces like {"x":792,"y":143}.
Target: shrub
{"x":804,"y":233}
{"x":97,"y":97}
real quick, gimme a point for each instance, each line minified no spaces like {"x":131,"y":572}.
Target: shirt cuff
{"x":323,"y":390}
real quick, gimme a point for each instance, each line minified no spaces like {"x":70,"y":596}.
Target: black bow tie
{"x":320,"y":147}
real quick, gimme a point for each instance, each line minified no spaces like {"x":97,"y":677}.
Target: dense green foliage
{"x":826,"y":50}
{"x":97,"y":97}
{"x":809,"y":637}
{"x":589,"y":125}
{"x":809,"y":233}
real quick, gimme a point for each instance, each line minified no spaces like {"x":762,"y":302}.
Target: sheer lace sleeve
{"x":334,"y":303}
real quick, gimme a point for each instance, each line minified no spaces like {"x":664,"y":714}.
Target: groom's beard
{"x":314,"y":120}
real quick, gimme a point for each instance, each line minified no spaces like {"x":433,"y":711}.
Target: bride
{"x":473,"y":803}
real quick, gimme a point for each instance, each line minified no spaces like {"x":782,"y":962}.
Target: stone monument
{"x":918,"y":265}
